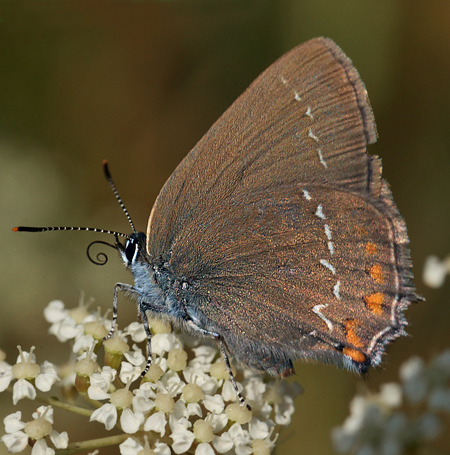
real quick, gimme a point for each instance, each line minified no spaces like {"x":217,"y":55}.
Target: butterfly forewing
{"x":306,"y":118}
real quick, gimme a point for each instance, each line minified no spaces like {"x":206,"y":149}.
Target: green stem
{"x":53,"y":401}
{"x":68,"y":407}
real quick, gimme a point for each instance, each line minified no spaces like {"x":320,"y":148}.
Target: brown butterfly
{"x":276,"y":235}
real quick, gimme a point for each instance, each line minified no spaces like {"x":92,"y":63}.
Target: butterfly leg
{"x":143,"y":314}
{"x":127,"y":289}
{"x":142,"y":307}
{"x":225,"y":357}
{"x":226,"y":360}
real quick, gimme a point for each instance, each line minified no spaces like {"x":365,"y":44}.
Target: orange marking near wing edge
{"x":371,"y":248}
{"x":374,"y":302}
{"x":354,"y":355}
{"x":352,"y":338}
{"x":376,"y":273}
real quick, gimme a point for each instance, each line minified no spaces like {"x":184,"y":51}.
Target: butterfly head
{"x":133,"y":250}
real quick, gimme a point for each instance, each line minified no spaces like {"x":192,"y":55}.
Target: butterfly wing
{"x":281,"y":225}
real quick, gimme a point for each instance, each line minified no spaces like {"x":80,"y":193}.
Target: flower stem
{"x":53,"y":401}
{"x":67,"y":406}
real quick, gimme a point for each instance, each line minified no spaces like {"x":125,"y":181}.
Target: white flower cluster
{"x":185,"y":402}
{"x":401,"y":417}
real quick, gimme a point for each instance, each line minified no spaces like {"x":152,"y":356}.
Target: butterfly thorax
{"x":154,"y":287}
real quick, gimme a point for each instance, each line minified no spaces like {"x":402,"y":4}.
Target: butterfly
{"x":277,"y":236}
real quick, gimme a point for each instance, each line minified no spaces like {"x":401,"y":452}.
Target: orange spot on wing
{"x":376,"y":273}
{"x":350,"y":327}
{"x":371,"y":248}
{"x":354,"y":355}
{"x":374,"y":302}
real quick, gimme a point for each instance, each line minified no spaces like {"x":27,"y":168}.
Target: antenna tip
{"x":28,"y":229}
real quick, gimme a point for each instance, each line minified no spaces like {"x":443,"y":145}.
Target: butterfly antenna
{"x":116,"y":193}
{"x":66,"y":228}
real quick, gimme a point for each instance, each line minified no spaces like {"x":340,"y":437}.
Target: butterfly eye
{"x":131,"y":249}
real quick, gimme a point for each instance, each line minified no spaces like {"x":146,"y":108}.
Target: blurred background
{"x":139,"y":83}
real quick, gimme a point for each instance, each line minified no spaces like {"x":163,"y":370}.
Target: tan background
{"x":139,"y":83}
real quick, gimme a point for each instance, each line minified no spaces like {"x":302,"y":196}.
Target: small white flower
{"x":182,"y":440}
{"x":193,"y":409}
{"x":129,"y":372}
{"x":143,"y":400}
{"x":5,"y":375}
{"x":228,"y":392}
{"x":15,"y":440}
{"x":182,"y":409}
{"x":435,"y":271}
{"x":23,"y":389}
{"x":60,"y":440}
{"x":258,"y":429}
{"x":69,"y":324}
{"x":63,"y":326}
{"x":391,"y":394}
{"x":45,"y":380}
{"x":254,"y":388}
{"x":55,"y":311}
{"x":164,"y":342}
{"x":26,"y":371}
{"x":204,"y":449}
{"x":205,"y":355}
{"x":284,"y":411}
{"x":41,"y":448}
{"x":194,"y":374}
{"x":122,"y":399}
{"x":241,"y":439}
{"x":223,"y":443}
{"x":218,"y":422}
{"x":135,"y":356}
{"x":18,"y":432}
{"x":214,"y":403}
{"x":131,"y":421}
{"x":130,"y":447}
{"x":284,"y":402}
{"x":157,"y":423}
{"x":136,"y":331}
{"x":107,"y":415}
{"x":13,"y":423}
{"x":82,"y":343}
{"x":100,"y":383}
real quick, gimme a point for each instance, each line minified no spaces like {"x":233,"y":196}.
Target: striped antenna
{"x":66,"y":228}
{"x":116,"y":193}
